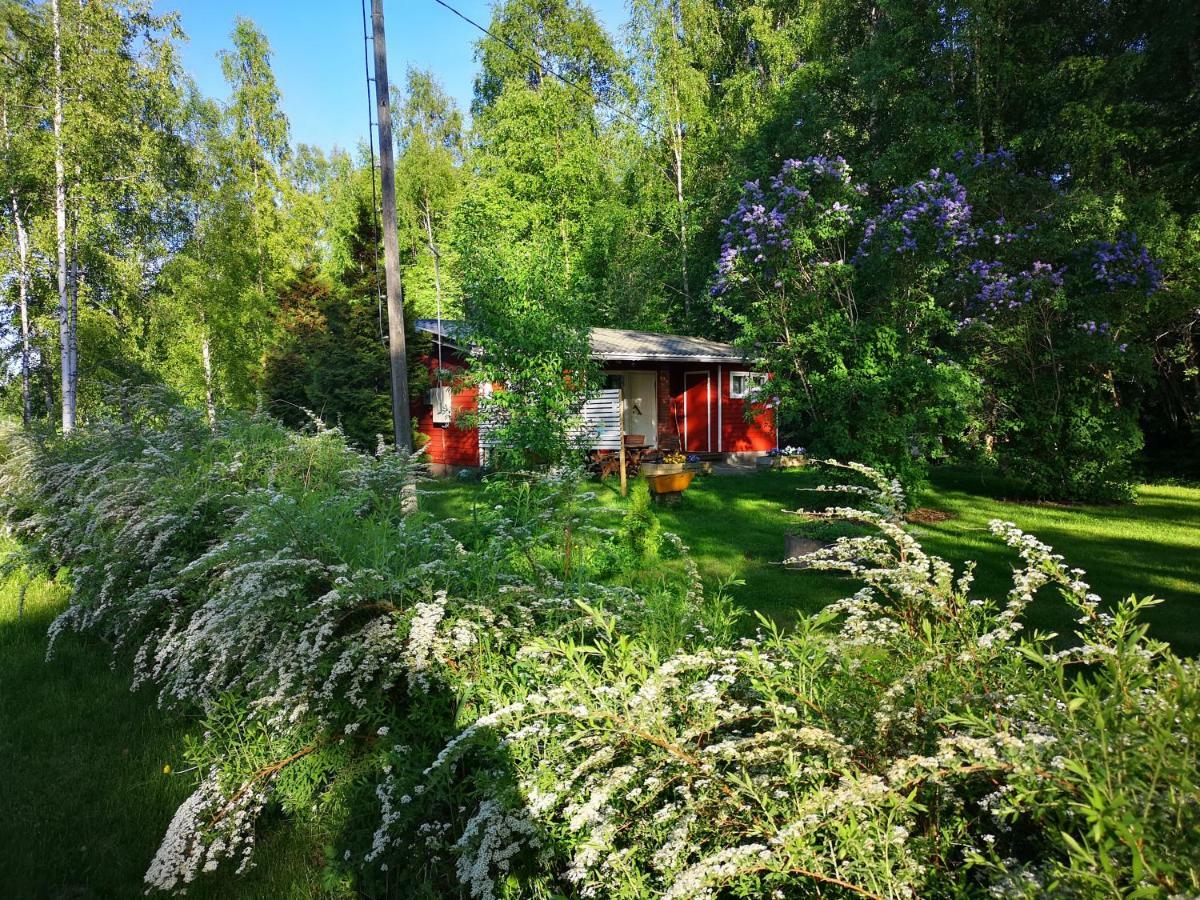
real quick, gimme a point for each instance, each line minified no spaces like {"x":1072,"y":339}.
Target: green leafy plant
{"x":501,"y":715}
{"x":640,"y":524}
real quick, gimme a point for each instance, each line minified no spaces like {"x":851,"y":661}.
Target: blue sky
{"x":318,"y":47}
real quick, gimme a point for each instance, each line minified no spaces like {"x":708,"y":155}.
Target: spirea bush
{"x":518,"y":712}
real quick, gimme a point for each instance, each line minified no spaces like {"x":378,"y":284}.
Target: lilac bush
{"x":775,"y":232}
{"x":960,"y":316}
{"x":933,"y":213}
{"x":1126,"y":263}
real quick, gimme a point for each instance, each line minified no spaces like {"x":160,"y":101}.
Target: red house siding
{"x":725,"y":431}
{"x":738,"y":435}
{"x":449,"y":445}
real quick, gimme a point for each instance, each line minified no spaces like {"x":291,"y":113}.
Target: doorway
{"x":697,"y":403}
{"x":640,"y":393}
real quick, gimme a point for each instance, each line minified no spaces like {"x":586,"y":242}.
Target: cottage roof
{"x":617,"y":344}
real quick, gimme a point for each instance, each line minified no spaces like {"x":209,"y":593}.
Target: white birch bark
{"x":437,"y":275}
{"x":677,"y":147}
{"x":210,"y":405}
{"x":22,"y":238}
{"x":66,"y":336}
{"x":23,"y":305}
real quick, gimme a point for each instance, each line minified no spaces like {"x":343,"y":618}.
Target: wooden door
{"x":641,"y":405}
{"x":697,"y":406}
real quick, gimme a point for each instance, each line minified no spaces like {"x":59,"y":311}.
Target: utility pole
{"x":401,"y":420}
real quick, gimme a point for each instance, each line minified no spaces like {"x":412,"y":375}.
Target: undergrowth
{"x":533,"y":711}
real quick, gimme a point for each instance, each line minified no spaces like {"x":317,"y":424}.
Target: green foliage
{"x":640,"y":524}
{"x":483,"y":716}
{"x":427,"y":183}
{"x":330,"y":361}
{"x":188,"y":220}
{"x":532,"y":345}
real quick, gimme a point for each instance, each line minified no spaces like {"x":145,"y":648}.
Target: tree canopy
{"x":961,"y":231}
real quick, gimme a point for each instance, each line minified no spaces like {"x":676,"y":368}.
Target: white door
{"x":641,"y":405}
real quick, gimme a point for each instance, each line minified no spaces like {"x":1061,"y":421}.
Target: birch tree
{"x":214,"y":315}
{"x":67,"y":315}
{"x":20,"y":141}
{"x":668,"y":40}
{"x":430,"y":139}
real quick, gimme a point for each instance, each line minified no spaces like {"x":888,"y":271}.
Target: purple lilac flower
{"x":937,"y":203}
{"x":1126,"y":263}
{"x":758,"y":231}
{"x":999,"y":158}
{"x":997,"y":291}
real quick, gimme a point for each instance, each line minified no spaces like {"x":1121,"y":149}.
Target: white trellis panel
{"x":601,"y":426}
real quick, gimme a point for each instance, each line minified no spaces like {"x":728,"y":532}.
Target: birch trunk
{"x":22,"y":238}
{"x":675,"y":116}
{"x":677,"y":147}
{"x":437,"y":275}
{"x":73,"y":285}
{"x":23,"y":304}
{"x":210,"y":405}
{"x":66,"y":337}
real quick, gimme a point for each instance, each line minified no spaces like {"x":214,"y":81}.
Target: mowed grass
{"x":84,"y":800}
{"x":735,"y":526}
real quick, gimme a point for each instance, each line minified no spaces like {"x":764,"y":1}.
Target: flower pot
{"x":793,"y":462}
{"x":797,"y":547}
{"x":651,"y":470}
{"x":704,"y":468}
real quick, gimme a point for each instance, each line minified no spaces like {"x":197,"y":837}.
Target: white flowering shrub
{"x":517,"y":712}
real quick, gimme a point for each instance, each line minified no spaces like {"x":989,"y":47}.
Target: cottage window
{"x":745,"y":384}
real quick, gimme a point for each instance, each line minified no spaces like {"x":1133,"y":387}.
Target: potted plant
{"x":784,"y":458}
{"x":672,"y":464}
{"x":695,"y":464}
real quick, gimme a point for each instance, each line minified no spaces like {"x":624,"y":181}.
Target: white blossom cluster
{"x":912,"y":739}
{"x":208,"y":828}
{"x":721,"y":770}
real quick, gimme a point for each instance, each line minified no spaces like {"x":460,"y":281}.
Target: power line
{"x":536,"y":62}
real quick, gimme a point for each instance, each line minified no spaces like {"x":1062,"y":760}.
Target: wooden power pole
{"x":401,"y":420}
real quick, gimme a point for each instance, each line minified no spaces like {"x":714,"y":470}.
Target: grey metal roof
{"x":621,"y":344}
{"x":613,"y":344}
{"x":452,"y":330}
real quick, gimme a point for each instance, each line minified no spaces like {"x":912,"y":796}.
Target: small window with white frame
{"x":744,"y":385}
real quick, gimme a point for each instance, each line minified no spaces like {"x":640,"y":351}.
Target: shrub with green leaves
{"x":641,"y":526}
{"x":499,"y":714}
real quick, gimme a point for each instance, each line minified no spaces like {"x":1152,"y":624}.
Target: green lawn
{"x":83,"y":795}
{"x":735,"y":526}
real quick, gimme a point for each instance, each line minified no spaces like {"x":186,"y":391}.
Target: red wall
{"x":449,"y":445}
{"x":738,"y":435}
{"x":455,"y":446}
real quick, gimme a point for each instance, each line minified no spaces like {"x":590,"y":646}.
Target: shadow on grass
{"x":84,"y":796}
{"x":735,"y":526}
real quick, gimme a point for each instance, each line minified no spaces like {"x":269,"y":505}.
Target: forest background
{"x":962,"y":231}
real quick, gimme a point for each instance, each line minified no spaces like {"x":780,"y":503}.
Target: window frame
{"x":754,"y":381}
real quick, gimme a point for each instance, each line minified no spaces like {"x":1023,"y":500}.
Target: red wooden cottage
{"x":678,"y":393}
